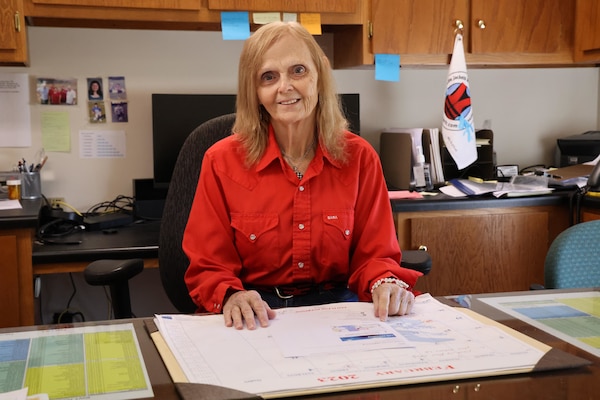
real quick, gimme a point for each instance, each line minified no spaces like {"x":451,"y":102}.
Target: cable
{"x":67,"y":310}
{"x":118,"y":204}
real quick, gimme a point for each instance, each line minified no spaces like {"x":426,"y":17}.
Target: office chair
{"x":172,"y":260}
{"x":573,"y":259}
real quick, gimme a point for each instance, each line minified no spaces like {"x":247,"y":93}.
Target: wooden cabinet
{"x":496,"y":32}
{"x":587,"y":31}
{"x":16,"y":278}
{"x":13,"y":33}
{"x":344,"y":22}
{"x":162,"y":14}
{"x":482,"y":250}
{"x":313,"y":6}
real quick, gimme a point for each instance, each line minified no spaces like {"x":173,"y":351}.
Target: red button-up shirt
{"x":262,"y":226}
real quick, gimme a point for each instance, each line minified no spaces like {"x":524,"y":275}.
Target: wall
{"x":528,"y":108}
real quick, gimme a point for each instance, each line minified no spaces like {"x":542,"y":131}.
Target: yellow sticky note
{"x":263,"y":18}
{"x":312,"y":23}
{"x":56,"y":131}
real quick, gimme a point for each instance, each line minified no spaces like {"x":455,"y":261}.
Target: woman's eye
{"x":267,"y":77}
{"x":299,"y":69}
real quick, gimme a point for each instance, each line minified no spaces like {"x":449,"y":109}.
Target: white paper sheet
{"x":443,"y":343}
{"x":15,"y":121}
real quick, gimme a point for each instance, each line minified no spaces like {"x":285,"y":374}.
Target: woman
{"x":95,"y":90}
{"x":292,"y":209}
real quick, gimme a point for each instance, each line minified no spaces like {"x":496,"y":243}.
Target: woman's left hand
{"x":391,"y":299}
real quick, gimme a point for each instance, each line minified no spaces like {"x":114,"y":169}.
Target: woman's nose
{"x":285,"y":84}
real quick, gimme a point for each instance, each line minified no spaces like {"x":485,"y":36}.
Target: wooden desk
{"x":22,"y":258}
{"x":138,"y":240}
{"x":568,"y":384}
{"x":17,"y":230}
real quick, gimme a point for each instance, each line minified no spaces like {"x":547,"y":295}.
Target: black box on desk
{"x":149,"y":200}
{"x":578,"y":149}
{"x":483,"y":167}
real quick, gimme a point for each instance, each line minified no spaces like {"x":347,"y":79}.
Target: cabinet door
{"x":9,"y":281}
{"x":13,"y":40}
{"x":523,"y":26}
{"x":587,"y":31}
{"x":484,"y":251}
{"x":416,"y":26}
{"x":142,"y":4}
{"x":138,"y":14}
{"x":317,"y":6}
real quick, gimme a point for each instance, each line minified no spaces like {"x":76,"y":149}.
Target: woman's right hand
{"x":246,"y":306}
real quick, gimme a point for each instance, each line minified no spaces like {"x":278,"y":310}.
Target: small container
{"x":31,"y":186}
{"x":14,"y":189}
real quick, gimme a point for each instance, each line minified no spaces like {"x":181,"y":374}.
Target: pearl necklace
{"x":293,"y":162}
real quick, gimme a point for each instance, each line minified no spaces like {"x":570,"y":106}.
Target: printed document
{"x":343,"y":346}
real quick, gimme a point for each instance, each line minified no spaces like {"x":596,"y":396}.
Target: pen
{"x":41,"y":164}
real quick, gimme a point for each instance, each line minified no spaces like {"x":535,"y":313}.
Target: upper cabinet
{"x":587,"y":31}
{"x":313,"y":6}
{"x":345,"y":32}
{"x":140,"y":14}
{"x":496,"y":32}
{"x":13,"y":35}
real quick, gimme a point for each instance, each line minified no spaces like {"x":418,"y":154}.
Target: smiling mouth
{"x":288,"y":102}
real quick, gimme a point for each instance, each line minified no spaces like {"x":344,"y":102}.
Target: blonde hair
{"x":252,"y":120}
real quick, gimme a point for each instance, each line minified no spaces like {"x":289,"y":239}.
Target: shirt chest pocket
{"x":256,"y":238}
{"x":336,"y":237}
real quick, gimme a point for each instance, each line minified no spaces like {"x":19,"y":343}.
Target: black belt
{"x":300,"y":289}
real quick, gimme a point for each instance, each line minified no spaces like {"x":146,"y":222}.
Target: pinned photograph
{"x":116,"y":85}
{"x":95,"y":89}
{"x":119,"y":112}
{"x":51,"y":91}
{"x":97,"y":112}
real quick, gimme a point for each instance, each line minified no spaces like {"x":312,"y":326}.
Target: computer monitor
{"x":175,"y":116}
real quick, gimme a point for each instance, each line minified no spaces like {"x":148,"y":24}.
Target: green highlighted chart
{"x":95,"y":362}
{"x":572,"y":317}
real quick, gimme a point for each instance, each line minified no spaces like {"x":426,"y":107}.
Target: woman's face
{"x":287,"y":82}
{"x":95,"y":87}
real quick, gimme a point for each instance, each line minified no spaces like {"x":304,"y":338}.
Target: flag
{"x":457,"y":128}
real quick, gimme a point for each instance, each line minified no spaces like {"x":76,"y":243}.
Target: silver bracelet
{"x":396,"y":281}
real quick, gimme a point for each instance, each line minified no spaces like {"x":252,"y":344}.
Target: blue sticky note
{"x":387,"y":67}
{"x":235,"y":25}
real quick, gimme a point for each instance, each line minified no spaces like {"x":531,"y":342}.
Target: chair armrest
{"x":419,"y":260}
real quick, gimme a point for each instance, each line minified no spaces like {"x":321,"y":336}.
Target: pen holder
{"x":31,"y":185}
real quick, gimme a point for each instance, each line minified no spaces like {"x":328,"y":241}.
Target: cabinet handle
{"x":17,"y":22}
{"x":481,"y":24}
{"x":423,"y":247}
{"x":458,"y":24}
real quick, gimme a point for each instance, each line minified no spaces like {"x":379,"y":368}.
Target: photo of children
{"x":56,"y":91}
{"x":116,"y":85}
{"x":97,"y":112}
{"x":119,"y":112}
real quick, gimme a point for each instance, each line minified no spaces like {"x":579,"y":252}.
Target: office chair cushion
{"x":172,"y":260}
{"x":573,"y":260}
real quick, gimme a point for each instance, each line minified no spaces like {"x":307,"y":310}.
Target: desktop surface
{"x":570,"y":383}
{"x":136,"y":240}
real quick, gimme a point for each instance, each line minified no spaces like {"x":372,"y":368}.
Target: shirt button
{"x":300,"y":264}
{"x":252,"y":237}
{"x":301,"y":226}
{"x":347,"y":232}
{"x":301,"y":188}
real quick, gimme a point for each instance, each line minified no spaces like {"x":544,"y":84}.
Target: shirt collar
{"x":272,"y":153}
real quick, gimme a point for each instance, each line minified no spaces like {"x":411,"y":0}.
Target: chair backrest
{"x":172,"y":260}
{"x":573,"y":260}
